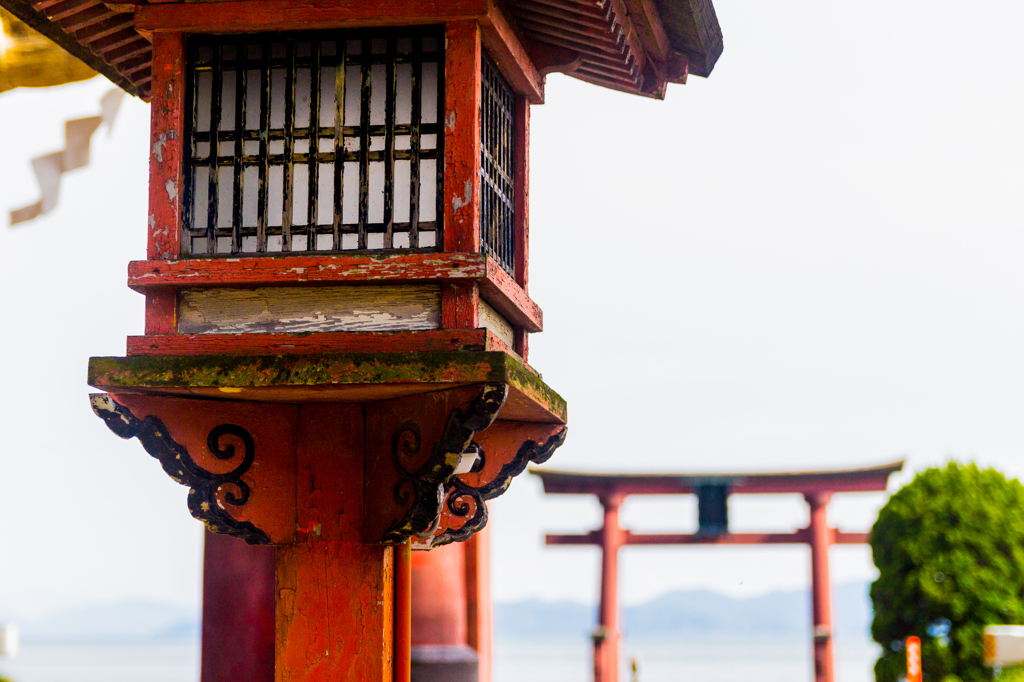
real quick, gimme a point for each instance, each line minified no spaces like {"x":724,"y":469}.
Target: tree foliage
{"x":949,"y":548}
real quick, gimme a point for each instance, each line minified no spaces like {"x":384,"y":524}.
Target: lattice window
{"x":314,"y":142}
{"x":497,"y":166}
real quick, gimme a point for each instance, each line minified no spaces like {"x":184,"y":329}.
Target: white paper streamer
{"x":49,"y":167}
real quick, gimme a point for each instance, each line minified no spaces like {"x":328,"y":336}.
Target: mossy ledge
{"x":228,"y":371}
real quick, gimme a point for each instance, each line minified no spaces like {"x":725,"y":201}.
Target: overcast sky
{"x":811,"y":260}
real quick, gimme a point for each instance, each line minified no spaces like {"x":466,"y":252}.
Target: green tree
{"x":949,"y":548}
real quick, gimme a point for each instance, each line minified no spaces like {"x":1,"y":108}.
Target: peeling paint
{"x":158,"y":148}
{"x":459,"y":202}
{"x":450,"y":120}
{"x":172,"y":190}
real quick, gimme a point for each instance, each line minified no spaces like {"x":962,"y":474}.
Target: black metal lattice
{"x":314,"y":142}
{"x":497,"y":166}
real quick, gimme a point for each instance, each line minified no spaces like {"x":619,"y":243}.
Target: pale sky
{"x":812,"y":259}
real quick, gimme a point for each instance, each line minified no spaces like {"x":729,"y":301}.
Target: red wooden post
{"x":238,"y":611}
{"x":606,"y":638}
{"x":403,"y":612}
{"x":480,"y":625}
{"x":165,"y":164}
{"x":821,"y":589}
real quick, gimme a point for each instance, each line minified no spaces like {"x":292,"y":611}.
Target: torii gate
{"x":712,"y":492}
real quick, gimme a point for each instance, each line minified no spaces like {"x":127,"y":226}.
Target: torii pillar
{"x":821,"y":538}
{"x":606,"y":637}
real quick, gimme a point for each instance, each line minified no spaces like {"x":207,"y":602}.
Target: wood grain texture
{"x":460,"y":306}
{"x":284,"y":15}
{"x":462,"y":137}
{"x":334,"y":612}
{"x":334,"y":605}
{"x":305,"y":309}
{"x":326,"y":342}
{"x":490,"y":319}
{"x":165,"y":161}
{"x":161,"y":311}
{"x":500,"y":290}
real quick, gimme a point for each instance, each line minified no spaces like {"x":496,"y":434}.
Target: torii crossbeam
{"x":712,"y":491}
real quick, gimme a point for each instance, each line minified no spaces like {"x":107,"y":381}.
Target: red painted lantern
{"x":337,"y":309}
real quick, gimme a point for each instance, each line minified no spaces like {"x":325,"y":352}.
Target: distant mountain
{"x":128,"y":621}
{"x":678,"y":613}
{"x":692,"y":613}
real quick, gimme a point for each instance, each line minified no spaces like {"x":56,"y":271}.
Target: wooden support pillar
{"x":821,"y":537}
{"x":606,"y":637}
{"x":332,"y":486}
{"x":238,"y":611}
{"x":440,"y":633}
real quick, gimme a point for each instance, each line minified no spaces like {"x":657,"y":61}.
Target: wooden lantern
{"x":335,"y":357}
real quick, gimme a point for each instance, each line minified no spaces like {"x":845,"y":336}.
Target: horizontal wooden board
{"x":269,"y":310}
{"x":496,"y":324}
{"x":499,"y":289}
{"x":327,"y":342}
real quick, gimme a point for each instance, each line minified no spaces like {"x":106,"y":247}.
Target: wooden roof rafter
{"x":635,"y":46}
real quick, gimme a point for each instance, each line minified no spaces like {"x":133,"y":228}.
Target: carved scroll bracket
{"x":468,"y":502}
{"x":423,"y":488}
{"x":205,"y":501}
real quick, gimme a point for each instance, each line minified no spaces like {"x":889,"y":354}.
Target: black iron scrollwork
{"x":461,"y":499}
{"x":425,"y":486}
{"x":179,"y":465}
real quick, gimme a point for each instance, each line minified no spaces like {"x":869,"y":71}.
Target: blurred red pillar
{"x":606,"y":638}
{"x":238,"y":610}
{"x":821,"y":537}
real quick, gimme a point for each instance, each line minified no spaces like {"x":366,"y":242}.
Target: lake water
{"x":666,"y":660}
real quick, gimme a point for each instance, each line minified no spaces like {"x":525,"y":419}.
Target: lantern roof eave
{"x":661,"y":40}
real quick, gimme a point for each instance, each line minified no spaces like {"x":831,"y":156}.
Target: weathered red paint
{"x":238,"y":611}
{"x":460,"y":306}
{"x":324,"y":342}
{"x":298,"y":270}
{"x":285,"y":15}
{"x":162,"y":311}
{"x":821,"y":588}
{"x":165,"y":169}
{"x":167,"y":127}
{"x":497,"y":287}
{"x":462,"y":136}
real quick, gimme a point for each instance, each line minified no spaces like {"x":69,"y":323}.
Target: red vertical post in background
{"x":914,"y":671}
{"x":238,"y":611}
{"x":606,"y":638}
{"x":403,"y":612}
{"x":821,"y":537}
{"x":479,"y":618}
